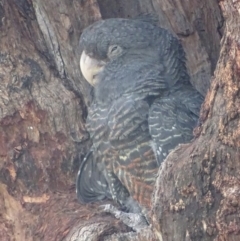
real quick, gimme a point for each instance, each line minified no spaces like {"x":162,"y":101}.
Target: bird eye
{"x":114,"y":50}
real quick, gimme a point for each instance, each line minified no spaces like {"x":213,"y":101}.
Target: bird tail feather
{"x":91,"y":184}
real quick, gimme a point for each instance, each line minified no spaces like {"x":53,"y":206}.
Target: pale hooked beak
{"x":90,"y":68}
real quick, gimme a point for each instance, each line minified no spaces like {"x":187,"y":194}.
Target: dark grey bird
{"x":143,"y":107}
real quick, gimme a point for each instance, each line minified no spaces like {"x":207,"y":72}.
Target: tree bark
{"x":197,"y":193}
{"x":43,"y":106}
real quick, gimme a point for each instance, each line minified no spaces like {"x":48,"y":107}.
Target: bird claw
{"x":107,"y":208}
{"x":136,"y":221}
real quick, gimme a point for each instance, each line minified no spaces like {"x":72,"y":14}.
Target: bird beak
{"x":90,"y":68}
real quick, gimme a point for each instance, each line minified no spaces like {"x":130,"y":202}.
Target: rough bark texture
{"x":43,"y":101}
{"x":198,"y":188}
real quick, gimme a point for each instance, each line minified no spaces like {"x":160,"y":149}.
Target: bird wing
{"x":172,"y":119}
{"x":134,"y":163}
{"x":121,"y":163}
{"x":91,"y":184}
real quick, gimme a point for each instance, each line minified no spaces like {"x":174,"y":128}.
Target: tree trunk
{"x":197,"y":193}
{"x":43,"y":106}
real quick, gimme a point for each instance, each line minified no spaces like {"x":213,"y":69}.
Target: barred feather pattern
{"x":144,"y":106}
{"x":122,"y":146}
{"x":172,"y":119}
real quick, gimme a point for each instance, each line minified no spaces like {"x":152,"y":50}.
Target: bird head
{"x":120,"y":55}
{"x":115,"y":40}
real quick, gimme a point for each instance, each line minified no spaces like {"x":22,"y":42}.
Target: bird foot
{"x":136,"y":221}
